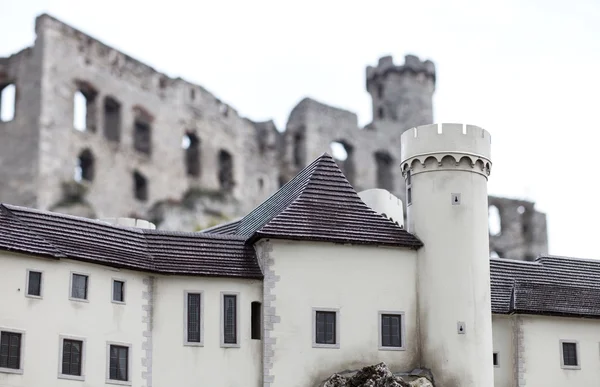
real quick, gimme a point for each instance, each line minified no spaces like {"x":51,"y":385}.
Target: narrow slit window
{"x":194,"y":318}
{"x":256,"y":317}
{"x":230,"y":319}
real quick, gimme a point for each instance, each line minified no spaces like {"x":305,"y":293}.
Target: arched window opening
{"x":226,"y":171}
{"x":84,"y":108}
{"x":385,"y":170}
{"x":494,"y":221}
{"x":140,"y":186}
{"x":343,"y":153}
{"x":112,"y":119}
{"x":85,"y":166}
{"x":191,"y":146}
{"x":142,"y":136}
{"x":8,"y":94}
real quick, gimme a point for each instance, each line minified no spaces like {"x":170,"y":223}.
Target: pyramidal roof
{"x":320,"y":204}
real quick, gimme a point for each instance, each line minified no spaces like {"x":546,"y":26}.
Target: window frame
{"x":127,"y":382}
{"x":87,"y":285}
{"x":112,"y":290}
{"x":237,"y":320}
{"x":337,"y":328}
{"x":562,"y":353}
{"x":41,"y":284}
{"x":21,"y":352}
{"x":185,"y":319}
{"x":61,"y":339}
{"x":402,"y":330}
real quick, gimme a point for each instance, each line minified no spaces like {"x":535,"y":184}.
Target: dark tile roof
{"x":549,"y":285}
{"x":229,"y":228}
{"x":55,"y":235}
{"x":320,"y":204}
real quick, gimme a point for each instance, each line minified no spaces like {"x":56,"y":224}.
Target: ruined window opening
{"x":281,"y":180}
{"x":380,"y":91}
{"x":224,"y":110}
{"x":261,"y":183}
{"x":380,"y":113}
{"x":521,"y":210}
{"x":494,"y":221}
{"x":343,"y":153}
{"x":299,"y":150}
{"x":192,"y":94}
{"x":385,"y":171}
{"x":142,"y":136}
{"x":140,"y":186}
{"x":85,"y":166}
{"x":226,"y":171}
{"x":84,"y":108}
{"x":8,"y":93}
{"x":112,"y":119}
{"x":191,"y":145}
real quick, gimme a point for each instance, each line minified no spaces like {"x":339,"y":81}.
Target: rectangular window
{"x":229,"y":319}
{"x":72,"y":351}
{"x":34,"y":283}
{"x":569,"y":354}
{"x":325,"y":328}
{"x":256,"y":312}
{"x":10,"y":350}
{"x":79,"y":286}
{"x":118,"y":368}
{"x":496,"y":363}
{"x":118,"y":294}
{"x":194,"y":303}
{"x":391,"y":330}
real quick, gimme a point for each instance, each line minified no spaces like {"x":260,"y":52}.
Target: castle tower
{"x":402,"y":95}
{"x":446,"y":168}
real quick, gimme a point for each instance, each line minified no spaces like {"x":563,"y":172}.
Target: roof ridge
{"x":13,"y":216}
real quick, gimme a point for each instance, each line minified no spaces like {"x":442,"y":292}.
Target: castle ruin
{"x":95,"y":133}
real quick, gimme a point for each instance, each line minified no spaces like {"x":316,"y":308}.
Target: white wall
{"x":360,"y":281}
{"x":502,"y":329}
{"x":541,"y":350}
{"x":176,"y":364}
{"x":43,"y":320}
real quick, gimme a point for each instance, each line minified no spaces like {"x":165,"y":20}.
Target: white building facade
{"x":318,"y":279}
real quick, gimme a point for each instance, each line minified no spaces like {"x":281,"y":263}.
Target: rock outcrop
{"x":379,"y":375}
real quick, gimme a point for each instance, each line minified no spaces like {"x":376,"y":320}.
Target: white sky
{"x":526,"y":70}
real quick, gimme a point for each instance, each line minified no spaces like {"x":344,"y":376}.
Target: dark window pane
{"x":10,"y":350}
{"x":391,"y":330}
{"x":256,"y":319}
{"x":325,"y":328}
{"x":230,"y":328}
{"x":79,"y":289}
{"x":34,"y":287}
{"x":118,"y":291}
{"x":495,"y":359}
{"x":570,"y":354}
{"x":118,"y":362}
{"x":193,"y":318}
{"x":71,"y":359}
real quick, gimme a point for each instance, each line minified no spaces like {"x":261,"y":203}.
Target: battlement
{"x":411,"y":64}
{"x":441,"y":140}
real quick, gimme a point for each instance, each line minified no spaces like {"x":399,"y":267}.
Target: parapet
{"x":411,"y":64}
{"x":439,"y":141}
{"x":384,"y":203}
{"x":130,"y":222}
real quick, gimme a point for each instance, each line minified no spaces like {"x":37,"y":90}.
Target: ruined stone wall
{"x":167,"y":108}
{"x":19,"y":137}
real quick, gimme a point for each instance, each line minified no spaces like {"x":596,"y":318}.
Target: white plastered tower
{"x":446,"y":168}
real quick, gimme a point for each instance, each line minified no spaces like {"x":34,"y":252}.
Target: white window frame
{"x":41,"y":284}
{"x":237,"y":320}
{"x":61,"y":339}
{"x":497,"y":358}
{"x":562,"y":359}
{"x":129,"y":362}
{"x":337,"y":328}
{"x":112,"y":290}
{"x":22,"y":355}
{"x":185,"y":318}
{"x":71,"y":287}
{"x":402,"y":330}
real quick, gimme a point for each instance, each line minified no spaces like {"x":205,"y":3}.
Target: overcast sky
{"x":526,"y":70}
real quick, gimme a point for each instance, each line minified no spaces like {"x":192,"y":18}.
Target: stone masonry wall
{"x":131,"y":155}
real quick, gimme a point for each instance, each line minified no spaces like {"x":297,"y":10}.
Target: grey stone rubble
{"x":379,"y":375}
{"x":169,"y":151}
